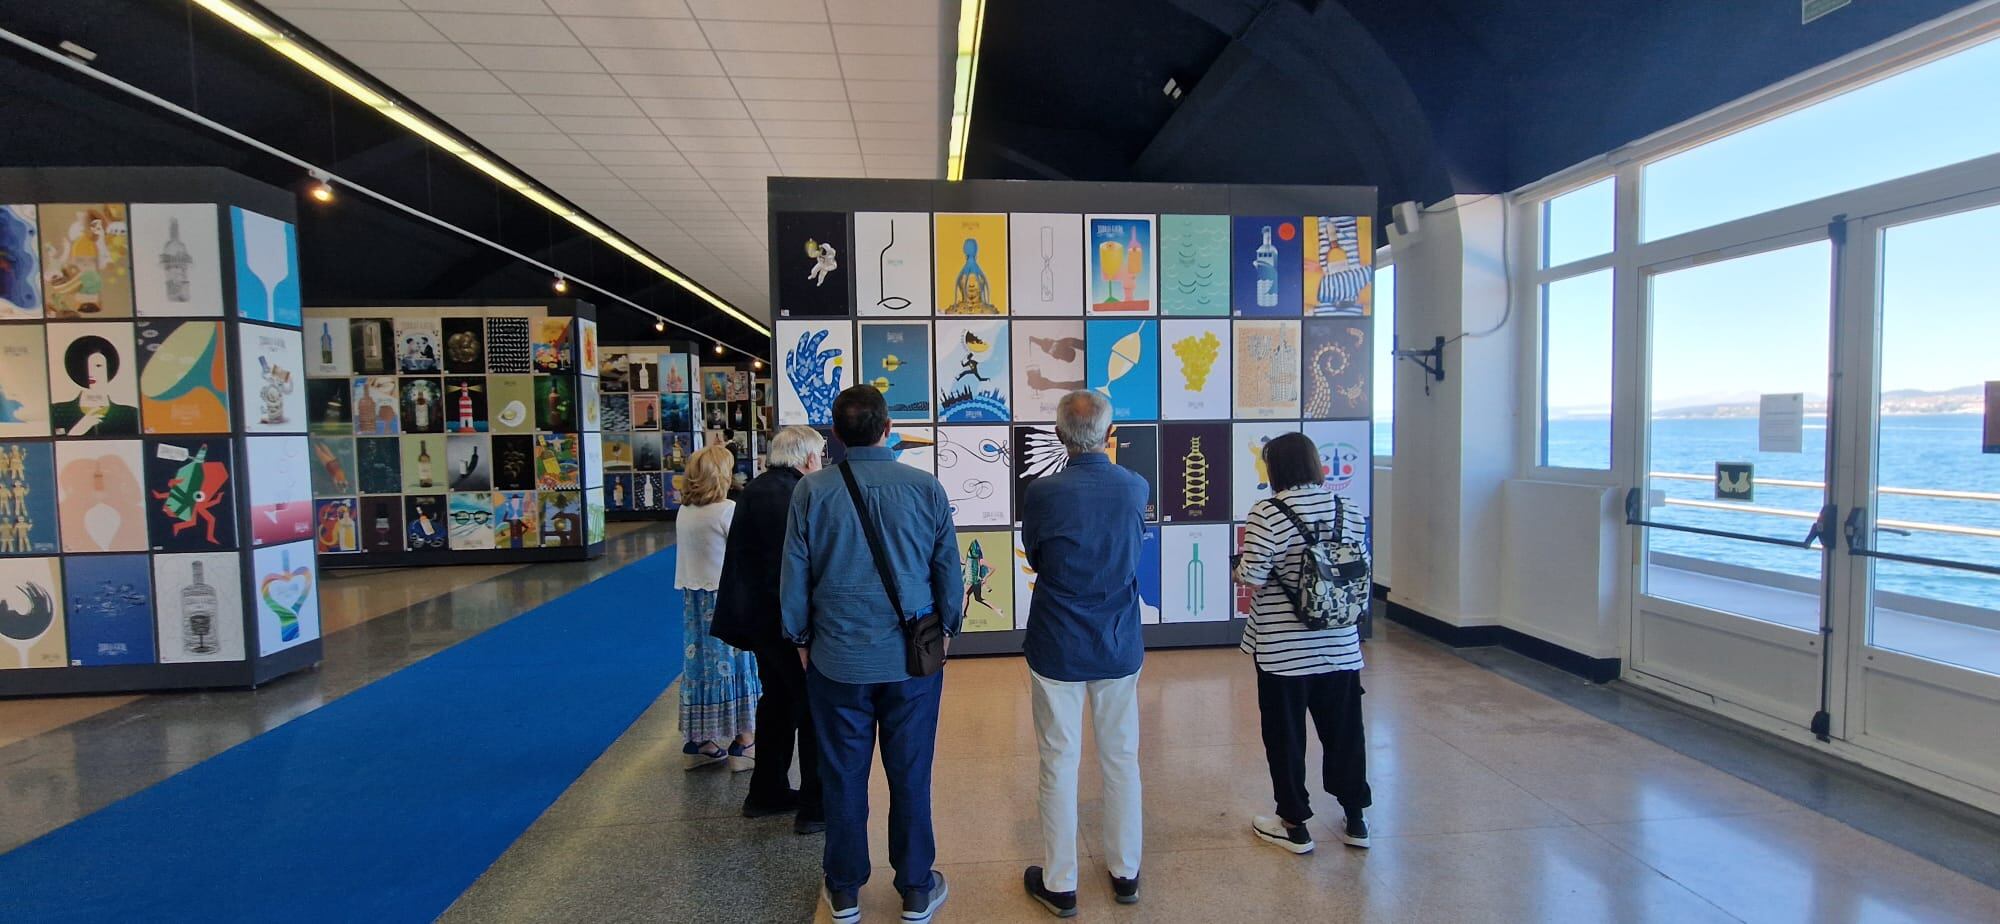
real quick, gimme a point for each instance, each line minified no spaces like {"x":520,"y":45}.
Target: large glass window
{"x":1385,"y":360}
{"x":1578,"y":225}
{"x":1576,"y":372}
{"x":1934,"y":115}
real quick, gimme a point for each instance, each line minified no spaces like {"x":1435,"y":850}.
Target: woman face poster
{"x":93,"y":381}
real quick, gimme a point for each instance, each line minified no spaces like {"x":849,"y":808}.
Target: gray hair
{"x":794,"y":445}
{"x":1083,"y":420}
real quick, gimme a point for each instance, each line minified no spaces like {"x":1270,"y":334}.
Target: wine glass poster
{"x":267,"y":268}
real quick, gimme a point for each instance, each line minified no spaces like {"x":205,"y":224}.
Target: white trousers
{"x":1114,"y":714}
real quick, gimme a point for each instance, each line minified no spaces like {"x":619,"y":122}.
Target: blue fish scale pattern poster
{"x":1208,"y":334}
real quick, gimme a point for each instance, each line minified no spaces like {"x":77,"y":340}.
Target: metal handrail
{"x":1938,"y":493}
{"x":1633,"y":517}
{"x":1859,"y":544}
{"x":1886,"y":525}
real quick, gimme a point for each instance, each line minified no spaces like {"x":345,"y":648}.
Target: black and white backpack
{"x":1333,"y":586}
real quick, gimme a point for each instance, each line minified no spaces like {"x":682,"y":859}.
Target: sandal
{"x":742,"y":757}
{"x":705,"y":754}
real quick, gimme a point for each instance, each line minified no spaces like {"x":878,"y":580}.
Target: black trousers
{"x":781,"y":717}
{"x":1334,"y":701}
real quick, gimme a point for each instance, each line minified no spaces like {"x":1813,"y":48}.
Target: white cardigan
{"x":702,"y":533}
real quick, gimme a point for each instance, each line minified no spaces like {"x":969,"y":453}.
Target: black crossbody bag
{"x":923,"y":637}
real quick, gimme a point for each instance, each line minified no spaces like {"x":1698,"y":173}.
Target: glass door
{"x":1732,"y":502}
{"x":1923,"y":526}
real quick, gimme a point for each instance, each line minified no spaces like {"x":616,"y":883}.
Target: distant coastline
{"x":1970,"y":399}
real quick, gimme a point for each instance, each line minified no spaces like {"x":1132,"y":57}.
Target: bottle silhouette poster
{"x":198,"y":607}
{"x":1048,"y":263}
{"x":1265,"y":272}
{"x":176,"y":260}
{"x":970,"y":264}
{"x":267,"y":268}
{"x":892,"y":264}
{"x":814,"y":265}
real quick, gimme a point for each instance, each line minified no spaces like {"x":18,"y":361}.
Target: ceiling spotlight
{"x":321,"y":189}
{"x":718,"y":349}
{"x":562,"y":285}
{"x":660,"y":325}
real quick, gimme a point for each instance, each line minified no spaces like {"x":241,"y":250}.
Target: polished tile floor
{"x":1494,"y":802}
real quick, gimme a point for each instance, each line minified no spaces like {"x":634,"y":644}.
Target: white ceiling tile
{"x":780,"y":64}
{"x":532,"y":7}
{"x":525,"y":82}
{"x":431,"y":55}
{"x":329,"y":25}
{"x":651,"y":143}
{"x":683,"y":62}
{"x":894,"y":112}
{"x":897,"y":146}
{"x":422,"y":81}
{"x":553,"y":58}
{"x":677,"y":87}
{"x":495,"y":29}
{"x":762,"y":10}
{"x":909,"y":131}
{"x":665,"y":9}
{"x":702,"y":159}
{"x":830,"y":91}
{"x":661,"y":160}
{"x":606,"y":125}
{"x":890,"y":67}
{"x":525,"y":141}
{"x":735,"y":128}
{"x":822,"y":164}
{"x":720,"y":144}
{"x":694,"y":108}
{"x":567,"y":185}
{"x":768,"y":36}
{"x":852,"y":39}
{"x":686,"y":182}
{"x":904,"y":173}
{"x":483,"y":123}
{"x":911,"y":159}
{"x":792,"y":128}
{"x":783,"y":146}
{"x":572,"y":171}
{"x":447,"y":104}
{"x":885,"y":12}
{"x":285,"y":5}
{"x":719,"y":172}
{"x":621,"y":32}
{"x":893,"y":91}
{"x":685,"y":198}
{"x":613,"y":105}
{"x":807,"y":111}
{"x":531,"y":158}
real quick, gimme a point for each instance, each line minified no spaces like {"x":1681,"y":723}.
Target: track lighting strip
{"x":327,"y":176}
{"x":965,"y":70}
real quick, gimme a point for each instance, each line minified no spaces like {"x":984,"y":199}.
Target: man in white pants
{"x":1082,"y":528}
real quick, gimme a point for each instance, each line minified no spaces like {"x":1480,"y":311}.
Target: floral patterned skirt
{"x":719,"y":687}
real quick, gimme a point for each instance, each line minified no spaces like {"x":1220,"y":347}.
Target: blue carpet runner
{"x":387,"y":803}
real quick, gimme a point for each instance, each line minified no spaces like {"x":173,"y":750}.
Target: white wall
{"x":1562,"y":541}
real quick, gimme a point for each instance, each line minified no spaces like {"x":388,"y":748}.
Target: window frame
{"x":1384,"y":257}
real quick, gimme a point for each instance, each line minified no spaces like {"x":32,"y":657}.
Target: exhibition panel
{"x":1214,"y":318}
{"x":463,"y":434}
{"x":154,"y":491}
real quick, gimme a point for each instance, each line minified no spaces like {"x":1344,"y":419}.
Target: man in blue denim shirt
{"x":834,"y":602}
{"x":1082,"y":529}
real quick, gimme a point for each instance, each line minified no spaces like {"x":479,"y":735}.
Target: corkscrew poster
{"x":1210,"y":334}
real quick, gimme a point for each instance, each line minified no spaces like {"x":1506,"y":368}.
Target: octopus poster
{"x":1194,"y":573}
{"x":985,"y":561}
{"x":1194,"y":265}
{"x":969,"y":264}
{"x":176,"y":260}
{"x":1267,"y":370}
{"x":198,"y":607}
{"x":1124,"y":365}
{"x":184,"y":378}
{"x":280,"y":476}
{"x":28,"y":499}
{"x":191,"y":495}
{"x":1194,"y":473}
{"x":101,"y":496}
{"x":1194,"y":383}
{"x":896,"y":360}
{"x":1123,"y":256}
{"x":86,"y":261}
{"x":24,"y":381}
{"x":814,"y":358}
{"x":20,"y":264}
{"x":285,"y":581}
{"x":93,"y":380}
{"x":267,"y":268}
{"x":892,"y":263}
{"x":336,"y":526}
{"x":974,"y":465}
{"x":31,"y":613}
{"x":813,"y":264}
{"x":1265,"y":272}
{"x":1337,"y":356}
{"x":335,"y":466}
{"x":1048,"y":364}
{"x":268,"y":369}
{"x":1339,"y":265}
{"x":973,"y":371}
{"x":1047,"y":258}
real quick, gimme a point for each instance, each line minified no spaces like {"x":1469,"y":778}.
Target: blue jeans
{"x":847,"y":717}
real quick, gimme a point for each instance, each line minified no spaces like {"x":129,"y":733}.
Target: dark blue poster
{"x":27,"y":499}
{"x":110,"y":609}
{"x":896,"y":359}
{"x":1266,"y":267}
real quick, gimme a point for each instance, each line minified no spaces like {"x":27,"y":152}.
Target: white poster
{"x":1345,"y":452}
{"x":975,"y":467}
{"x":273,"y":391}
{"x":176,"y":260}
{"x":1781,"y":423}
{"x":593,"y":460}
{"x":198,"y":607}
{"x":1249,"y":481}
{"x":1046,"y":260}
{"x":1049,"y":359}
{"x":285,"y":581}
{"x":1194,"y":578}
{"x":1194,"y":369}
{"x":280,"y":489}
{"x":892,"y":258}
{"x":915,"y":447}
{"x":815,"y":359}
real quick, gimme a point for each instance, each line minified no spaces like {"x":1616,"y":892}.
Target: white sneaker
{"x":1274,"y":831}
{"x":842,"y":909}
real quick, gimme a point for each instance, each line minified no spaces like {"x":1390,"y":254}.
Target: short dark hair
{"x":860,"y":415}
{"x":1293,"y":462}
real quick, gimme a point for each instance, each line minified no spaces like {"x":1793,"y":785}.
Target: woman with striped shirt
{"x":1300,"y":670}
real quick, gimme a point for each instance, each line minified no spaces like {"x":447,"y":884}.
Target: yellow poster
{"x":1340,"y":265}
{"x":986,"y":559}
{"x":971,"y":263}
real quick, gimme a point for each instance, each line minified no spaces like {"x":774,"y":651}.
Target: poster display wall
{"x":448,"y":435}
{"x":648,"y":397}
{"x":153,"y":438}
{"x":1214,"y":321}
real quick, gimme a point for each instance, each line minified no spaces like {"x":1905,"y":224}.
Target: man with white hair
{"x":1082,"y":528}
{"x":748,"y":616}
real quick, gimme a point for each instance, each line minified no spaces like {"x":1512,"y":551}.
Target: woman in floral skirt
{"x":719,"y":687}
